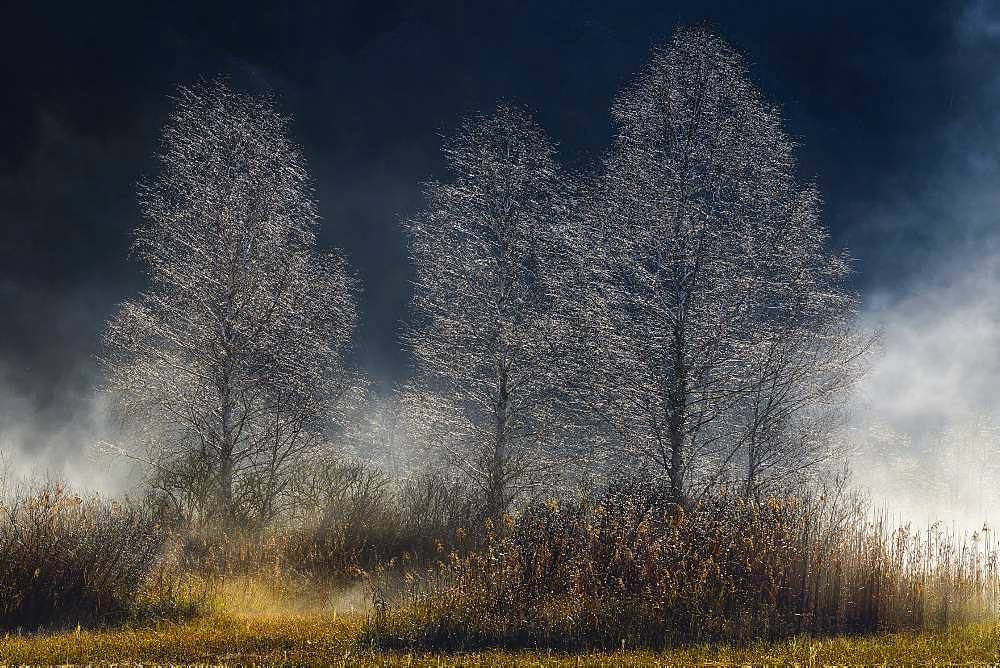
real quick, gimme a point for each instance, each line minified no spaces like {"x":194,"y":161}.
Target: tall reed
{"x":631,"y":569}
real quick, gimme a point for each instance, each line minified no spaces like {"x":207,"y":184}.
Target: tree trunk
{"x":676,"y":471}
{"x":226,"y":490}
{"x":751,"y":468}
{"x":226,"y":506}
{"x":496,"y":491}
{"x":677,"y":419}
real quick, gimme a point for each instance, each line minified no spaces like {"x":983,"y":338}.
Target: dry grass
{"x":628,"y":570}
{"x":327,"y":639}
{"x":216,"y":638}
{"x":727,"y":583}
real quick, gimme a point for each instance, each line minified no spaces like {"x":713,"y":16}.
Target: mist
{"x":33,"y":445}
{"x":926,"y":415}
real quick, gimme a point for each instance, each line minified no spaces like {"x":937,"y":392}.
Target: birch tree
{"x":490,"y":342}
{"x":710,"y":255}
{"x":230,"y":364}
{"x":794,"y":403}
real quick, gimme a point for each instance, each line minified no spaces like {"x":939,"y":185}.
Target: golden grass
{"x":217,"y":638}
{"x":266,"y":612}
{"x":579,"y":577}
{"x":315,"y":639}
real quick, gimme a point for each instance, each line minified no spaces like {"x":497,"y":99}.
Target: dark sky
{"x":893,"y":103}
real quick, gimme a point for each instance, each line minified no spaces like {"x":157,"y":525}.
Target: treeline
{"x":676,"y":314}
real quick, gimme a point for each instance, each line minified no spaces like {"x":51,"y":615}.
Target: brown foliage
{"x":68,"y":560}
{"x":634,"y":570}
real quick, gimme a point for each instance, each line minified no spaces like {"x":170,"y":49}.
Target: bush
{"x":351,"y":515}
{"x":65,"y":560}
{"x":632,"y":569}
{"x":355,"y":522}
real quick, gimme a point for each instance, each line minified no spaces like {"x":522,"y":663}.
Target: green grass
{"x":313,"y":639}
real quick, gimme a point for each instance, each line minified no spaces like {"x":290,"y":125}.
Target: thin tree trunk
{"x":227,"y":509}
{"x":496,"y":494}
{"x":676,"y":420}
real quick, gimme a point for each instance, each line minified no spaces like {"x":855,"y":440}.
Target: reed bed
{"x":622,"y":569}
{"x":632,"y":570}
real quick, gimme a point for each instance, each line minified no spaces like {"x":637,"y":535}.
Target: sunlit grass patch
{"x":216,"y":638}
{"x":324,"y":639}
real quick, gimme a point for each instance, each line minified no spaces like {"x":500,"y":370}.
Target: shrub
{"x":351,"y":515}
{"x":68,"y":560}
{"x":348,"y":520}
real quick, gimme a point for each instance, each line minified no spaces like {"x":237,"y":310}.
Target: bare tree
{"x":710,"y":259}
{"x":231,"y":362}
{"x":490,"y":341}
{"x":803,"y":352}
{"x":795,"y":398}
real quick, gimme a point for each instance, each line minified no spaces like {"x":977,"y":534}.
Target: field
{"x":785,"y":582}
{"x":312,"y":639}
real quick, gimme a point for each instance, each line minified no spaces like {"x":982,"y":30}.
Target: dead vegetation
{"x":631,"y":569}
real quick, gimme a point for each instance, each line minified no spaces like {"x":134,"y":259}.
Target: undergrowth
{"x":633,"y":570}
{"x":66,"y":560}
{"x":623,"y":568}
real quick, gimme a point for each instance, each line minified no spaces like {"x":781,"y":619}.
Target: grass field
{"x":557,"y":578}
{"x":310,"y":639}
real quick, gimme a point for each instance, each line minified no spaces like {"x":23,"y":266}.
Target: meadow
{"x":619,"y":438}
{"x":620,"y":578}
{"x":329,"y":640}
